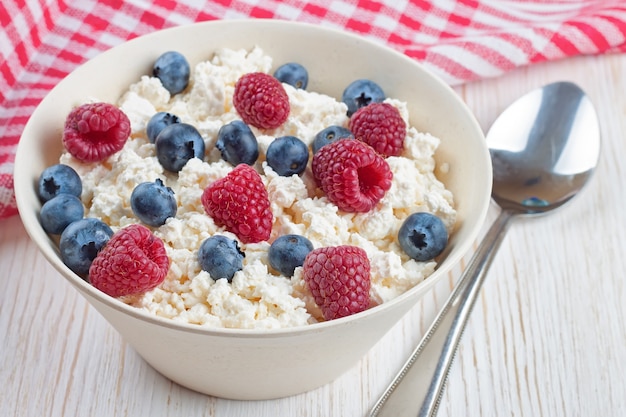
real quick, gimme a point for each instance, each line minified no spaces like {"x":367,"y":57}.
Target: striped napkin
{"x":459,"y":40}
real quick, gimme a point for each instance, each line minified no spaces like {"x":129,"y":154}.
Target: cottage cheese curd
{"x":258,"y":297}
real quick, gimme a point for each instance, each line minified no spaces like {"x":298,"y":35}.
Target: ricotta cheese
{"x":258,"y":296}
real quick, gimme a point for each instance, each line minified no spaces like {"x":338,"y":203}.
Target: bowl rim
{"x":85,"y":287}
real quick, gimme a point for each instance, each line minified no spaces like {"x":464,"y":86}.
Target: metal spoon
{"x":544,"y":148}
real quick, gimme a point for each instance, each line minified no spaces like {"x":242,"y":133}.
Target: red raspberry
{"x":239,"y":201}
{"x":95,"y":131}
{"x":353,"y":176}
{"x":380,"y":126}
{"x":132,"y":262}
{"x":261,"y":100}
{"x":339,"y":279}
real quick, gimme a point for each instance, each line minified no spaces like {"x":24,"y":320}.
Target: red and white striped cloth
{"x":41,"y":41}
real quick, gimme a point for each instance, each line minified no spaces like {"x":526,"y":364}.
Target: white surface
{"x":547,"y":337}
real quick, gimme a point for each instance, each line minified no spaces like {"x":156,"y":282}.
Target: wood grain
{"x":547,"y":336}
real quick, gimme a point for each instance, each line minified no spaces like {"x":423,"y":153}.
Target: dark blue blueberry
{"x":293,"y":74}
{"x":158,"y":122}
{"x":220,"y":257}
{"x":287,"y":253}
{"x":329,"y":135}
{"x":177,"y":144}
{"x":153,"y":203}
{"x":173,"y":70}
{"x":81,"y":241}
{"x":59,"y":179}
{"x":237,"y":143}
{"x":287,"y":155}
{"x":58,"y":212}
{"x":360,"y":93}
{"x":423,"y":236}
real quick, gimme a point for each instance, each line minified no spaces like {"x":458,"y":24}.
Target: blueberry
{"x":60,"y":211}
{"x":237,"y":143}
{"x":177,"y":144}
{"x":360,"y":93}
{"x":59,"y":179}
{"x":153,"y":202}
{"x":220,"y":257}
{"x":287,"y":253}
{"x":329,"y":135}
{"x":173,"y":70}
{"x":287,"y":155}
{"x":81,"y":241}
{"x":293,"y":74}
{"x":423,"y":236}
{"x":158,"y":122}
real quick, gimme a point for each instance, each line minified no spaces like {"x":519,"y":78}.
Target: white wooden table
{"x":547,"y":337}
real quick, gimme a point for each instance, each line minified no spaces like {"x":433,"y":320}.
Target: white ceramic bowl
{"x":253,"y":364}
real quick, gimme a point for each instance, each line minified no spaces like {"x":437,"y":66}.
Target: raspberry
{"x":95,"y":131}
{"x":261,"y":100}
{"x":339,"y":279}
{"x":380,"y":126}
{"x":353,"y":176}
{"x":239,"y":202}
{"x":132,"y":262}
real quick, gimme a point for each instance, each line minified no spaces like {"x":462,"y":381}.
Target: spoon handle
{"x":425,"y":379}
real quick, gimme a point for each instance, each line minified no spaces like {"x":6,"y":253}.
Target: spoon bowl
{"x":544,"y":149}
